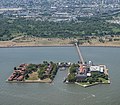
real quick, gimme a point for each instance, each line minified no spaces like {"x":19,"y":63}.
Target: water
{"x":58,"y":93}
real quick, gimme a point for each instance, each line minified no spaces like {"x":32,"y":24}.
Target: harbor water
{"x":58,"y":93}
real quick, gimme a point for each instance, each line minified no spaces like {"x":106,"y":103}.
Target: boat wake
{"x":93,"y":95}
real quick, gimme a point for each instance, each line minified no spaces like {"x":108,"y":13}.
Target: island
{"x":87,"y":75}
{"x":34,"y":73}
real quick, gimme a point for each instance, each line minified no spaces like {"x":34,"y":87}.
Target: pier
{"x":79,"y":54}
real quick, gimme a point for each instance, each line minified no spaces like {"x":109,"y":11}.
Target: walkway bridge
{"x":79,"y":53}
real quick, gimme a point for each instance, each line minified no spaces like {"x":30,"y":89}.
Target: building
{"x":99,"y":68}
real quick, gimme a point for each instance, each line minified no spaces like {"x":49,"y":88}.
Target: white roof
{"x":94,"y":68}
{"x":88,"y":74}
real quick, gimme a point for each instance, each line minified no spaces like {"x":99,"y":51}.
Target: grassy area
{"x":87,"y":84}
{"x":84,"y":83}
{"x":33,"y":76}
{"x":37,"y":41}
{"x":116,"y":30}
{"x":103,"y":80}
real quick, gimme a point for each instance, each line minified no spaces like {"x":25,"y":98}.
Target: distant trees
{"x":88,"y":26}
{"x":101,"y":40}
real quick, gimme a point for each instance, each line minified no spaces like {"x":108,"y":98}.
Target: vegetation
{"x":42,"y":71}
{"x":72,"y":77}
{"x":31,"y":68}
{"x":73,"y":68}
{"x":45,"y":71}
{"x":33,"y":76}
{"x":10,"y":28}
{"x":96,"y":77}
{"x":54,"y":71}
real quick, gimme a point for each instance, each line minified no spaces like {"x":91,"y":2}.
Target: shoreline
{"x":113,"y":46}
{"x":31,"y":81}
{"x":85,"y":86}
{"x":53,"y":42}
{"x":23,"y":41}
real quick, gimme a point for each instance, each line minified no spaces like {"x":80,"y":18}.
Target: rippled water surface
{"x":58,"y":93}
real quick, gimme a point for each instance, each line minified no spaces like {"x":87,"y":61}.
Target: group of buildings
{"x":58,"y":10}
{"x":85,"y":70}
{"x":19,"y":73}
{"x":48,"y":70}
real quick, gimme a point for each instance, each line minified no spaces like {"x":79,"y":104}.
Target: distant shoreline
{"x":58,"y":46}
{"x":18,"y":42}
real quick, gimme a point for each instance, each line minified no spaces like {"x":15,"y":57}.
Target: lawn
{"x":33,"y":76}
{"x":103,"y":80}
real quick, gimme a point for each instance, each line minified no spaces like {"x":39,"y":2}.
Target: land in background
{"x":21,"y":41}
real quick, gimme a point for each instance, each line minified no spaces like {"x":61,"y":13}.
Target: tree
{"x":45,"y":62}
{"x":100,"y":81}
{"x":101,"y":40}
{"x":31,"y":68}
{"x":90,"y":81}
{"x":40,"y":73}
{"x":71,"y":77}
{"x":73,"y":68}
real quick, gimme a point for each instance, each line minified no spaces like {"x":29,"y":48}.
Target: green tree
{"x":71,"y":77}
{"x":41,"y":73}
